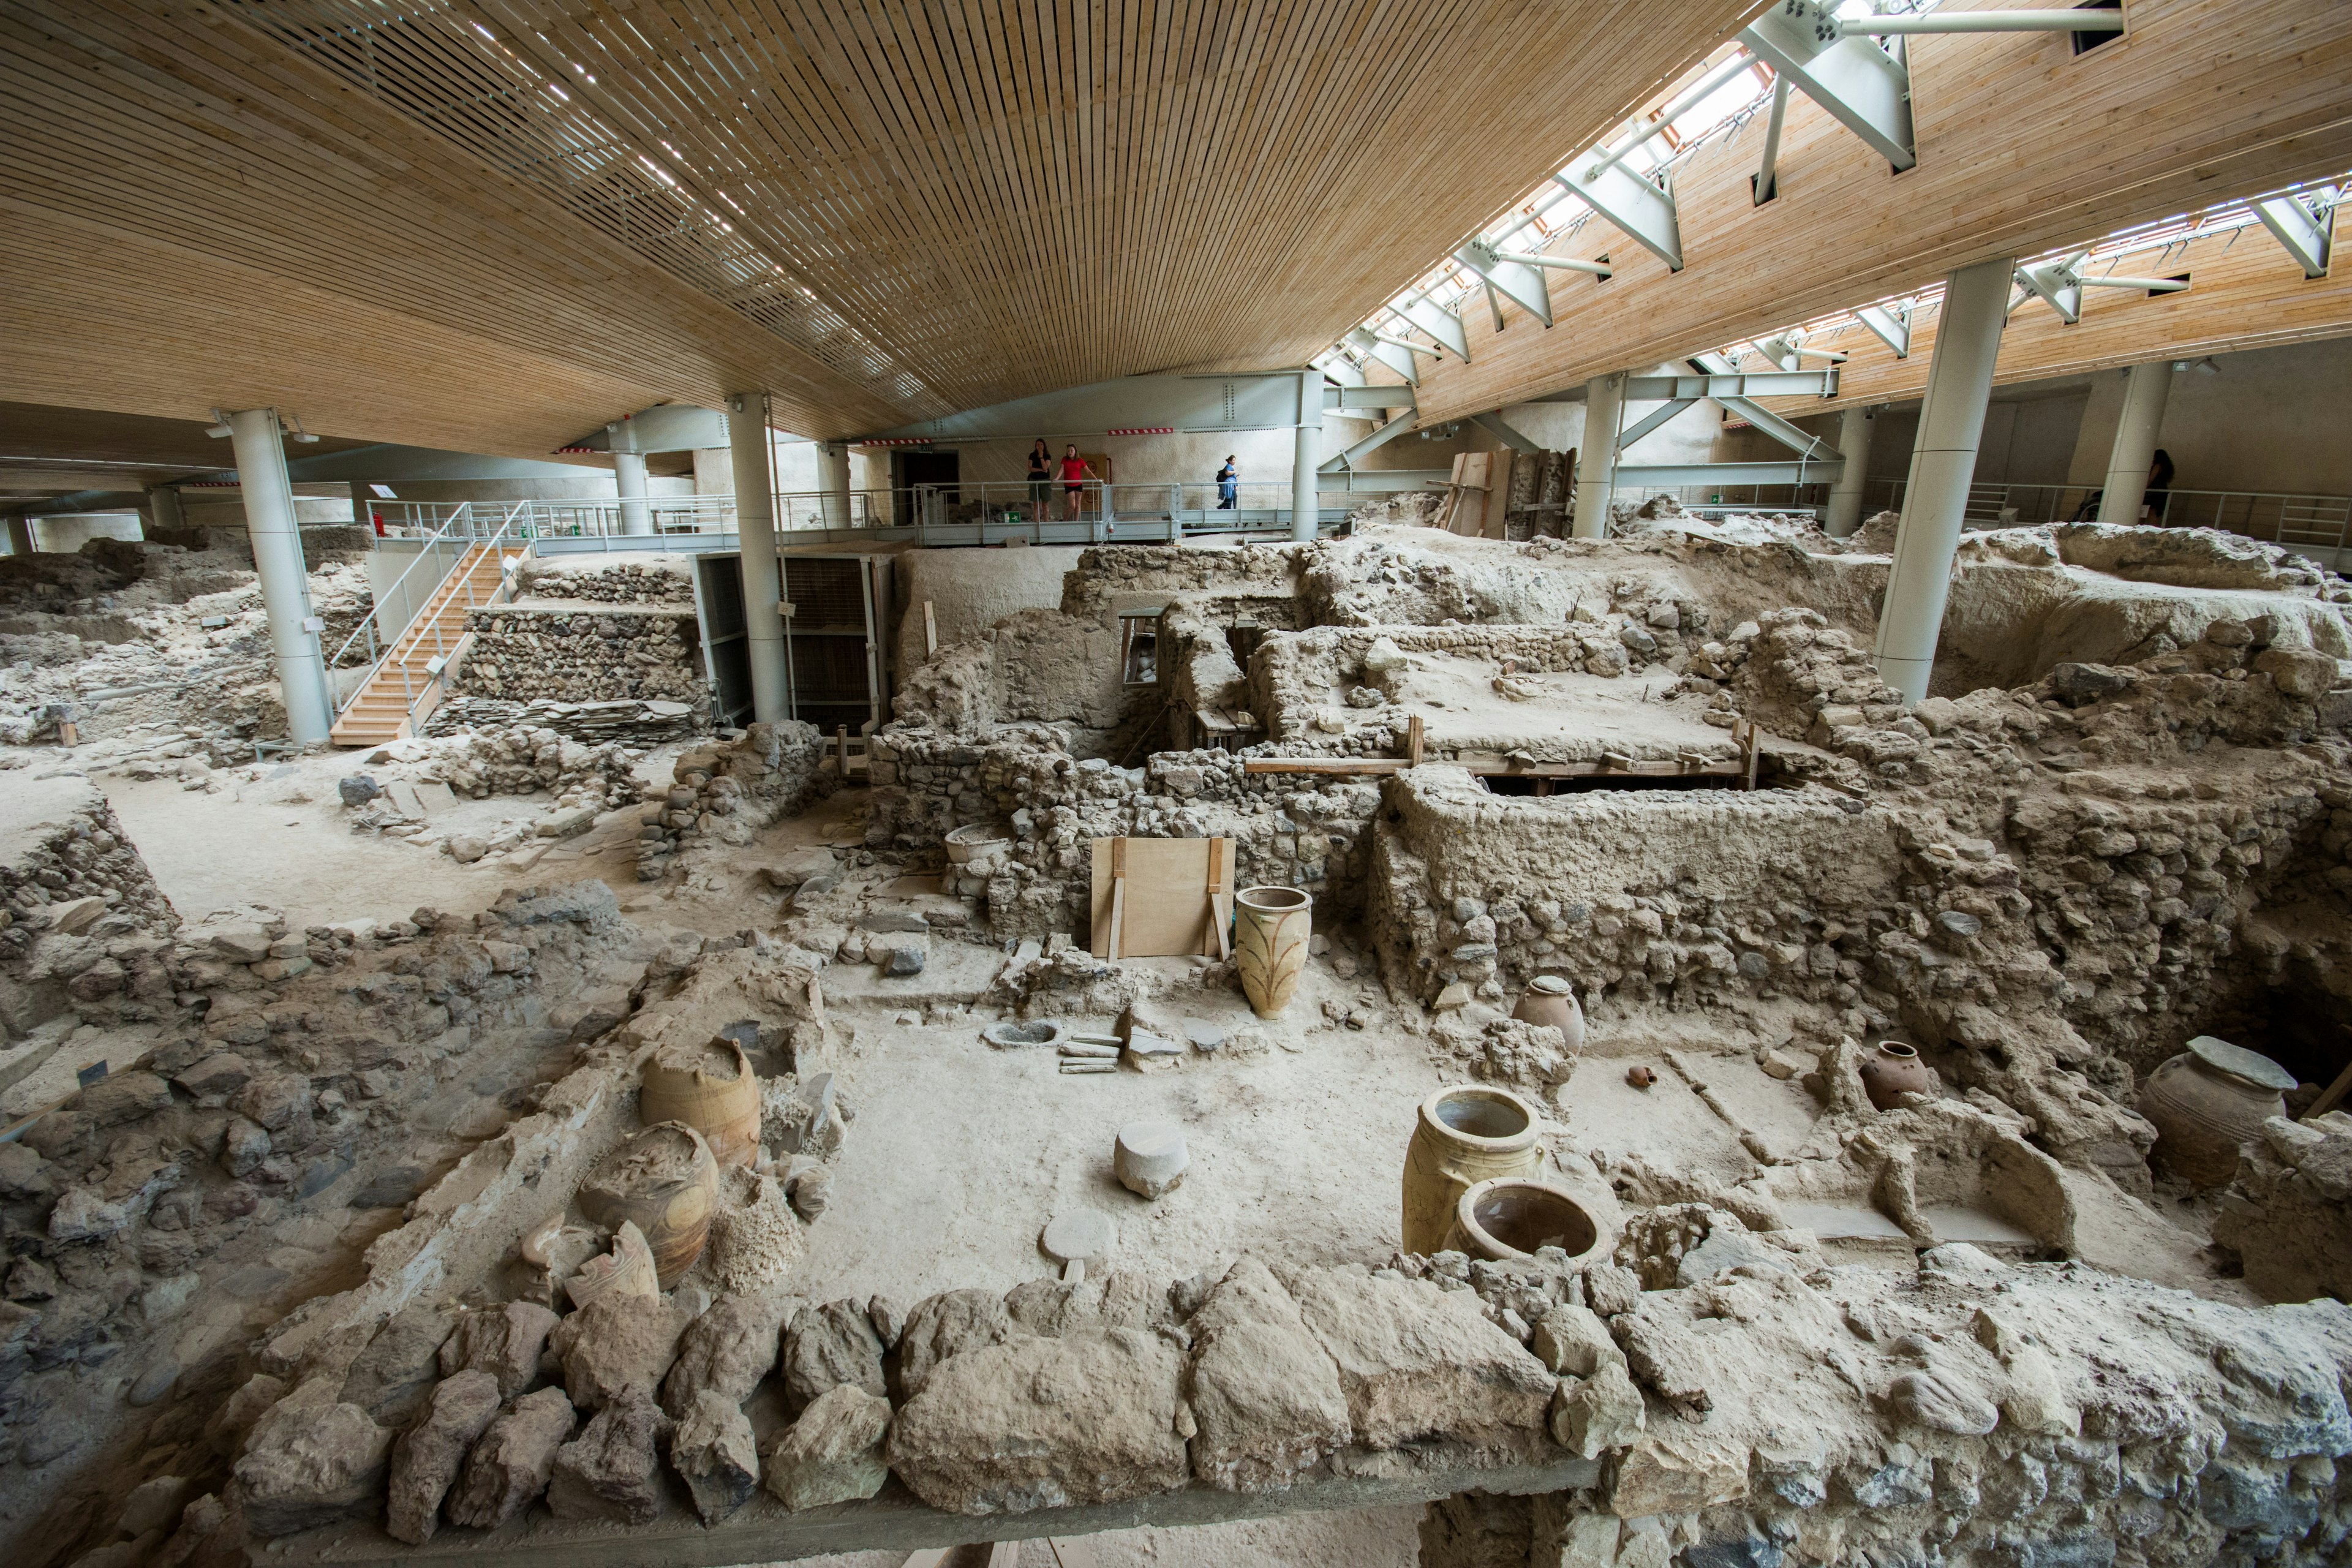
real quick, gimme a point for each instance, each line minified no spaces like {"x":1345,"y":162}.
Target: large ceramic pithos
{"x":712,"y":1089}
{"x":1549,"y":1003}
{"x":1271,"y":926}
{"x":2207,"y":1103}
{"x":1462,"y":1136}
{"x":666,"y":1183}
{"x":1511,"y":1218}
{"x":1892,"y":1070}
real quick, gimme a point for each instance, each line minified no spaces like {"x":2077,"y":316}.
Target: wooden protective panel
{"x":1166,"y":912}
{"x":2243,"y":294}
{"x":880,"y":213}
{"x":2023,"y":147}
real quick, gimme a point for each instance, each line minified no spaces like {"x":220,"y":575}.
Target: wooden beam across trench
{"x":764,"y":1531}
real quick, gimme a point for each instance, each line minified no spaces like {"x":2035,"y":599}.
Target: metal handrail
{"x":429,"y":614}
{"x":2275,"y":516}
{"x":462,"y":512}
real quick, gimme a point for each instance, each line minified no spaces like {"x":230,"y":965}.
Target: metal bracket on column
{"x":2305,"y":236}
{"x":2055,"y":283}
{"x":1809,"y":447}
{"x":1340,"y":368}
{"x":1891,"y":324}
{"x":1523,"y":285}
{"x":1494,"y":425}
{"x":1378,"y":438}
{"x":1363,"y":396}
{"x":1644,"y":211}
{"x":1436,"y":320}
{"x":1398,"y":358}
{"x":1863,"y":87}
{"x":1651,"y":421}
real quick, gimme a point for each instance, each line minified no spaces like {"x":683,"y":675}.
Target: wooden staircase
{"x":380,"y":711}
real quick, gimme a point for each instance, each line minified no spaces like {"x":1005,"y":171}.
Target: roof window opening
{"x":2085,"y":42}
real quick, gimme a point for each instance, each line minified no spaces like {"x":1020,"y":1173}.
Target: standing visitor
{"x":1041,"y":475}
{"x":1229,"y":485}
{"x":1075,"y":475}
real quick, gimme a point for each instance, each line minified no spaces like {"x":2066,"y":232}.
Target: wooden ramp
{"x":380,"y":711}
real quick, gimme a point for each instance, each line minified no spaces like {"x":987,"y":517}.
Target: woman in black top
{"x":2159,"y":485}
{"x":1040,"y":474}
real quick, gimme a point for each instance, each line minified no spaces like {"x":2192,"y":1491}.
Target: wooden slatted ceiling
{"x":2023,"y":148}
{"x":2243,"y":294}
{"x":271,"y":227}
{"x":981,"y":198}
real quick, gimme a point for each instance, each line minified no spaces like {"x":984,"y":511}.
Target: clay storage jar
{"x":2207,"y":1103}
{"x":665,"y":1182}
{"x":1464,"y":1135}
{"x":1271,"y":926}
{"x":712,"y":1089}
{"x":1508,"y":1219}
{"x":1549,"y":1003}
{"x":1895,"y":1068}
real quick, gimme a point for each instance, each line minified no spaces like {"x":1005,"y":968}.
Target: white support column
{"x":833,"y":479}
{"x":1596,"y":459}
{"x":1943,"y":462}
{"x":1855,"y":429}
{"x":162,"y":510}
{"x":629,"y":478}
{"x":20,"y":534}
{"x":277,"y":561}
{"x":1310,"y":453}
{"x":2146,"y":388}
{"x":755,"y":527}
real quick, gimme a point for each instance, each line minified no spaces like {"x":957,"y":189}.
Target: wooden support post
{"x":2332,"y":1096}
{"x":1221,"y":894}
{"x":930,"y":630}
{"x":1412,"y":741}
{"x":842,"y":735}
{"x":1118,"y":893}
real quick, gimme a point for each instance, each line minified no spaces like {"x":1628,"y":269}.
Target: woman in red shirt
{"x":1075,"y":475}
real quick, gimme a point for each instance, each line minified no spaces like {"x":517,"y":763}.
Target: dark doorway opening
{"x":913,"y":468}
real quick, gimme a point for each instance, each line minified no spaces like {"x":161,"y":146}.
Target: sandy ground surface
{"x":286,"y":841}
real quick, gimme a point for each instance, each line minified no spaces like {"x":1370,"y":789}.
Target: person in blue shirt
{"x":1229,"y":486}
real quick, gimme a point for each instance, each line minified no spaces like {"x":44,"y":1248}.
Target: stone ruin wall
{"x":82,"y":923}
{"x":521,"y":652}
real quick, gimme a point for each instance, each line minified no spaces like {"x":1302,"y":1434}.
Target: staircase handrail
{"x":463,"y":514}
{"x":437,"y":669}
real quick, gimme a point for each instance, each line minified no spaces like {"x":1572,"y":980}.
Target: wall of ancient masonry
{"x":724,"y":794}
{"x":1293,"y":830}
{"x":82,"y":923}
{"x":523,"y":651}
{"x":645,"y":580}
{"x":1630,"y":895}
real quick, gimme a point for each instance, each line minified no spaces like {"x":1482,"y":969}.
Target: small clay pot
{"x":665,"y":1182}
{"x":1895,"y":1069}
{"x":627,"y":1271}
{"x":1639,"y":1077}
{"x":712,"y":1089}
{"x":1462,"y":1135}
{"x":2206,"y":1104}
{"x":1509,"y":1219}
{"x":1549,"y":1003}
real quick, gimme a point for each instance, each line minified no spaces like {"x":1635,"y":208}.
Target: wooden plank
{"x":1220,"y":896}
{"x":1113,"y":949}
{"x":1415,"y":738}
{"x":930,"y":630}
{"x":1381,"y":767}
